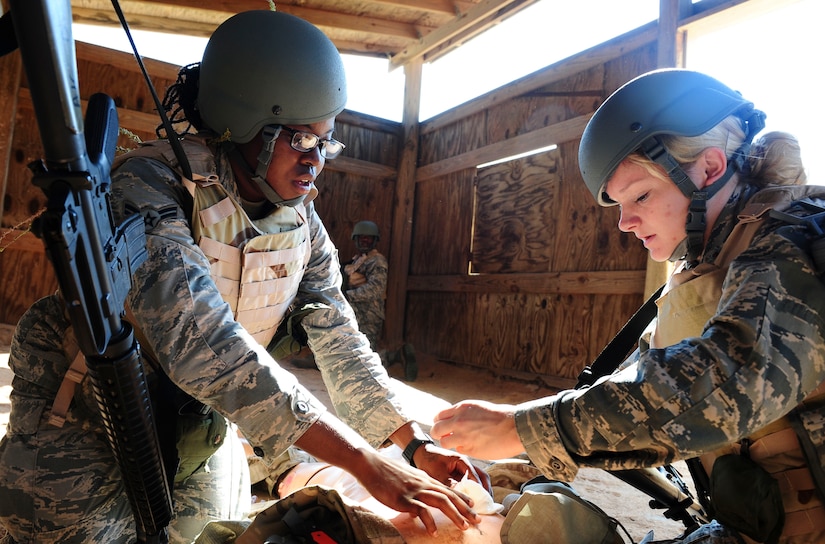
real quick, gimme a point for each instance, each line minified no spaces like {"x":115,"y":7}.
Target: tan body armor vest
{"x":689,"y":300}
{"x":256,"y":265}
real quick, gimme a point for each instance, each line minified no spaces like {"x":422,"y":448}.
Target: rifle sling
{"x":622,"y":344}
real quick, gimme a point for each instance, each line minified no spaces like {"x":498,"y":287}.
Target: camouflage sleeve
{"x":191,"y":330}
{"x":757,"y":358}
{"x":375,"y":269}
{"x":358,"y":385}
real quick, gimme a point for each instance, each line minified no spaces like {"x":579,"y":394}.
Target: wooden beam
{"x":359,"y":167}
{"x":469,"y":32}
{"x":11,"y":70}
{"x":130,"y":119}
{"x":404,"y":209}
{"x":370,"y":122}
{"x":553,"y":134}
{"x":189,"y":17}
{"x":153,"y":16}
{"x":357,"y":23}
{"x":125,"y":61}
{"x":435,"y":6}
{"x":447,"y":32}
{"x":623,"y":282}
{"x":595,"y":56}
{"x":666,"y":39}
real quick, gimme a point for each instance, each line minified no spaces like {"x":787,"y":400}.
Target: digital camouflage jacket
{"x":756,"y":359}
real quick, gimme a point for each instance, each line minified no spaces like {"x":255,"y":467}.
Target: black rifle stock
{"x":92,"y":257}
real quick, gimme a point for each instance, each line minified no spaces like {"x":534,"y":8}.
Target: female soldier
{"x":736,"y":359}
{"x":230,"y":251}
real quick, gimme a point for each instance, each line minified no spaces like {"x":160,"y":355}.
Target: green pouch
{"x":199,"y":436}
{"x":552,"y":511}
{"x":746,"y":498}
{"x":290,"y":337}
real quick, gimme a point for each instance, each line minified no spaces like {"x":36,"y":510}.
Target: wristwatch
{"x":413,"y":446}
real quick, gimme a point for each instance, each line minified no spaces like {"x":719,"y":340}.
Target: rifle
{"x":92,"y":257}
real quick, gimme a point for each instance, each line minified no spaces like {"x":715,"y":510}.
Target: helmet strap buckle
{"x":269,"y":134}
{"x":695,"y":224}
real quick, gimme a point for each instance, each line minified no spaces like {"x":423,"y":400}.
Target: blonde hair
{"x":774,"y":159}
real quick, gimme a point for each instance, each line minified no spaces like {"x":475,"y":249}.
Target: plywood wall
{"x":514,"y":267}
{"x":351,"y":190}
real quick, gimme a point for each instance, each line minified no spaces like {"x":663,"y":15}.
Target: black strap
{"x":8,"y":39}
{"x":171,"y":135}
{"x":622,"y":344}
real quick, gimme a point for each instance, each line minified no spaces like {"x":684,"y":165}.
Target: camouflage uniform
{"x":192,"y":333}
{"x":367,"y":299}
{"x":756,"y":359}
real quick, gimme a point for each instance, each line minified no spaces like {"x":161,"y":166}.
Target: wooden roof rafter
{"x":399,"y":30}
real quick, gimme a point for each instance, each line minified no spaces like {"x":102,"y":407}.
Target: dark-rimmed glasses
{"x":307,"y":141}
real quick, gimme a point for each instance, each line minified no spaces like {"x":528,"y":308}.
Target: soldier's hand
{"x":480,"y":429}
{"x":413,"y":491}
{"x":448,"y":466}
{"x":357,"y":279}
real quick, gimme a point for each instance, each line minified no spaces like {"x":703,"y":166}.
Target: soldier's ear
{"x":711,"y":165}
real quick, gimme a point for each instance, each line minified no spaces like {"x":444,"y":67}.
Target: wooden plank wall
{"x":512,"y":267}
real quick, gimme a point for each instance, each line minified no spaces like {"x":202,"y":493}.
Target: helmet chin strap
{"x":696,"y":221}
{"x":269,"y":134}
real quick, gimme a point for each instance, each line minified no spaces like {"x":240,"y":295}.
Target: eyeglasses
{"x":307,"y":141}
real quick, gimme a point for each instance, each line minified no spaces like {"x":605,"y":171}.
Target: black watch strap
{"x":413,"y":446}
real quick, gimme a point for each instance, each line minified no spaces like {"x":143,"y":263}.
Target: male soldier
{"x":365,"y":287}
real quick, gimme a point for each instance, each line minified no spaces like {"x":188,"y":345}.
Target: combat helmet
{"x":269,"y":68}
{"x":365,"y":228}
{"x":664,"y":102}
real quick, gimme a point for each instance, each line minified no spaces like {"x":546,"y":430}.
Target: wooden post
{"x":10,"y":76}
{"x":404,"y":208}
{"x":667,"y":33}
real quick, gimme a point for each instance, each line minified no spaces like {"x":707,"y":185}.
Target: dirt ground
{"x":439,"y":384}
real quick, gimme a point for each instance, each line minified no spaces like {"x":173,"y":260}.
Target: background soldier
{"x":365,"y":286}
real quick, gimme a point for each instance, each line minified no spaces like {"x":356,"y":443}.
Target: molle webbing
{"x":256,"y":265}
